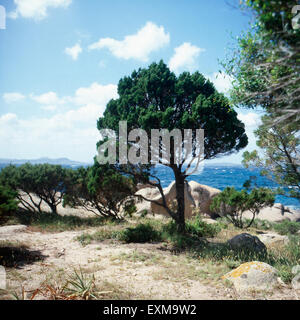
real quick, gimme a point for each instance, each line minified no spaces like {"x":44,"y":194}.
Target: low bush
{"x":100,"y":235}
{"x":232,"y":204}
{"x":140,"y":234}
{"x":287,"y":227}
{"x":195,"y":227}
{"x":196,"y":231}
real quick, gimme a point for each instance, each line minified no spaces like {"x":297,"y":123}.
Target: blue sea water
{"x":221,"y":176}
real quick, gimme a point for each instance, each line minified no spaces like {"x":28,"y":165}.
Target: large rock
{"x":148,"y":193}
{"x":270,"y":238}
{"x":276,"y":213}
{"x":296,"y":269}
{"x":196,"y":196}
{"x":253,"y":275}
{"x":296,"y":282}
{"x":246,"y":241}
{"x":203,"y":196}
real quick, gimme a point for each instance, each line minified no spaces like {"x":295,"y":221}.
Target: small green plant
{"x":261,"y":224}
{"x":78,"y":286}
{"x":293,"y":249}
{"x":141,"y":233}
{"x":99,"y":235}
{"x":81,"y":286}
{"x":287,"y":227}
{"x":195,"y":227}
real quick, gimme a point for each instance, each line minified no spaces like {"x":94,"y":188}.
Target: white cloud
{"x":71,"y":133}
{"x":49,"y":107}
{"x":137,"y":46}
{"x":36,"y":9}
{"x":250,"y":119}
{"x":95,"y":94}
{"x":185,"y":57}
{"x":48,"y":98}
{"x":221,"y":80}
{"x":13,"y":97}
{"x":8,"y":117}
{"x":74,"y":51}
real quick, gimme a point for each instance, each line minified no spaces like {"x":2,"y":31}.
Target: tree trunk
{"x":179,"y":183}
{"x":53,"y":208}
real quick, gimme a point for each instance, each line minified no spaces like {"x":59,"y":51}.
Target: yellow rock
{"x":254,"y":275}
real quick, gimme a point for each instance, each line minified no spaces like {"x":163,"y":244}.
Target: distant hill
{"x":59,"y":161}
{"x":68,"y":162}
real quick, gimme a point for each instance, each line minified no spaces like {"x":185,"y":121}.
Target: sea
{"x":221,"y":176}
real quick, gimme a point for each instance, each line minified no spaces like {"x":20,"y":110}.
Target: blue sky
{"x":61,"y":60}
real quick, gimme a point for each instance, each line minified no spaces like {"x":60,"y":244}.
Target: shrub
{"x":196,"y":230}
{"x":232,"y":204}
{"x":197,"y":227}
{"x":46,"y":182}
{"x":262,"y":224}
{"x":287,"y":227}
{"x":100,"y":235}
{"x":140,"y":234}
{"x":102,"y":190}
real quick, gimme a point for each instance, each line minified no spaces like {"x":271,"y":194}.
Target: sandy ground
{"x":129,"y":271}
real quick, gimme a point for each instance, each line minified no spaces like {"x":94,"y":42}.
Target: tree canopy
{"x":266,"y":72}
{"x":155,"y":98}
{"x":265,"y":63}
{"x":233,"y":204}
{"x":281,"y":154}
{"x":36,"y":184}
{"x":100,"y":189}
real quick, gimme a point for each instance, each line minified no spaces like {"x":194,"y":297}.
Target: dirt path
{"x":140,"y":270}
{"x":129,"y":271}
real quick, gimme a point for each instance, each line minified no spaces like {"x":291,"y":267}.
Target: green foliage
{"x":8,"y":203}
{"x":280,"y":145}
{"x":293,"y":249}
{"x":261,"y":224}
{"x":195,"y":227}
{"x":265,"y":64}
{"x":102,"y":190}
{"x":140,"y":234}
{"x":265,"y":67}
{"x":46,"y":182}
{"x":287,"y":227}
{"x":195,"y":232}
{"x":156,"y":98}
{"x":99,"y":235}
{"x":81,"y":285}
{"x":232,"y":204}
